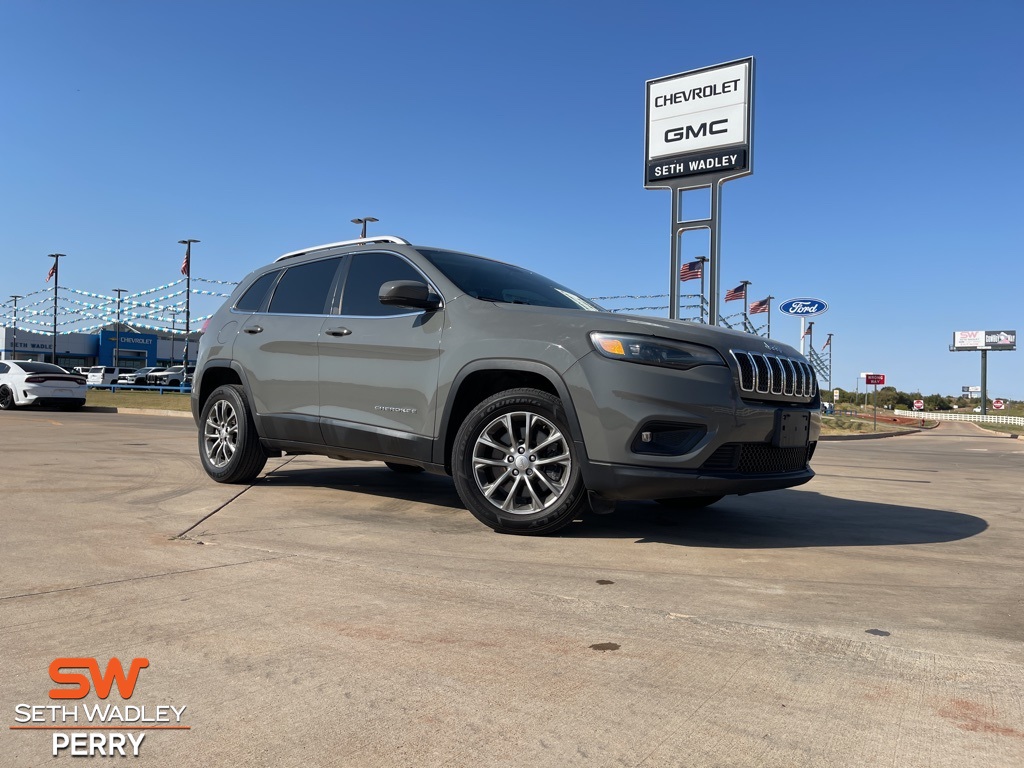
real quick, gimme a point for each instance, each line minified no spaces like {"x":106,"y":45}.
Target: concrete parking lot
{"x":338,"y":614}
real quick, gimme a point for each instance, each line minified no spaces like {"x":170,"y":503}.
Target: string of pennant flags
{"x":76,"y":316}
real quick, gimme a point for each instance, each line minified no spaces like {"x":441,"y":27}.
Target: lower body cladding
{"x":652,"y":433}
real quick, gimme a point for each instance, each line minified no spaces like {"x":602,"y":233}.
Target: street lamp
{"x":363,"y":221}
{"x":55,"y":274}
{"x":186,"y":269}
{"x":117,"y":331}
{"x":14,"y":336}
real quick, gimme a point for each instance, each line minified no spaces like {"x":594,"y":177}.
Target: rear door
{"x":277,"y":349}
{"x":379,"y":364}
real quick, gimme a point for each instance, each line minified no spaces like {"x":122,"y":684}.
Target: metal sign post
{"x":875,"y":379}
{"x":699,"y":135}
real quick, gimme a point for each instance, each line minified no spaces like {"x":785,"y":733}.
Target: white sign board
{"x":699,"y":123}
{"x":968,"y":339}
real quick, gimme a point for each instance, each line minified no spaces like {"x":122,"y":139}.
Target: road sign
{"x":998,"y":404}
{"x":919,"y":405}
{"x":874,"y":378}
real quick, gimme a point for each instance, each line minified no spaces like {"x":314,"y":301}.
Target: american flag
{"x":184,"y":264}
{"x":52,"y":272}
{"x":807,"y":332}
{"x":759,"y":306}
{"x":829,"y":341}
{"x":691,"y":271}
{"x":737,"y":293}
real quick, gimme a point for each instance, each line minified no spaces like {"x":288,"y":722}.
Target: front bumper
{"x":739,"y":451}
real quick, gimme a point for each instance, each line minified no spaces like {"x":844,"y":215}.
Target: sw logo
{"x":102,"y":682}
{"x":82,"y":729}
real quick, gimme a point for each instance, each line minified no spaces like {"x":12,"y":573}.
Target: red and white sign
{"x":874,"y":378}
{"x":998,"y":404}
{"x":919,"y":405}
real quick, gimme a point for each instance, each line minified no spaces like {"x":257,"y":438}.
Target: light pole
{"x":117,"y":331}
{"x":703,"y":260}
{"x":186,"y":270}
{"x":14,"y":336}
{"x":55,"y":274}
{"x":363,"y":221}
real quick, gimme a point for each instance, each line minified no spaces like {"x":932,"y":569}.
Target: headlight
{"x":650,"y":350}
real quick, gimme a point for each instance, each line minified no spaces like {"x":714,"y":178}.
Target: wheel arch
{"x":217,"y":373}
{"x":483,"y":378}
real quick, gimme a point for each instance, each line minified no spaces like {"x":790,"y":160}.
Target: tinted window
{"x":4,"y":368}
{"x":494,"y":281}
{"x":303,"y":289}
{"x":41,"y":368}
{"x":252,"y":299}
{"x":368,"y":272}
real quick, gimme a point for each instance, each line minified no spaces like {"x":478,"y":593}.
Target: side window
{"x":4,"y":368}
{"x":252,"y":299}
{"x":366,"y":274}
{"x":303,"y":289}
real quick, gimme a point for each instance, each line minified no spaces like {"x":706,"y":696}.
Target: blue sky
{"x":886,"y":158}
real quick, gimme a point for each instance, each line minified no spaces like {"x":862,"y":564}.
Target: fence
{"x":1017,"y":421}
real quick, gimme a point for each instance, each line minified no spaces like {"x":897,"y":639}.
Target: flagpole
{"x":746,"y":315}
{"x":187,"y":269}
{"x":703,"y":260}
{"x":56,"y":281}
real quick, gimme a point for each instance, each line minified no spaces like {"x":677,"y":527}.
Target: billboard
{"x":699,"y":123}
{"x":977,"y":340}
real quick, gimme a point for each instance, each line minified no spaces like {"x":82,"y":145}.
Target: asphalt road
{"x":338,"y":614}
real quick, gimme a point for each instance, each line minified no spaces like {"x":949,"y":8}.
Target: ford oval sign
{"x":803,"y":307}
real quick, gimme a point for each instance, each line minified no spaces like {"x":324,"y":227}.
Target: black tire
{"x":689,"y":502}
{"x":7,"y":399}
{"x":174,"y":383}
{"x":402,"y":469}
{"x":229,"y":446}
{"x":502,"y":477}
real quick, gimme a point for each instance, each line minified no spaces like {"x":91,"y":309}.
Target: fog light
{"x":666,"y":439}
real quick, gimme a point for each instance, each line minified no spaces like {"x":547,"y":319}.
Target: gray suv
{"x":537,"y":402}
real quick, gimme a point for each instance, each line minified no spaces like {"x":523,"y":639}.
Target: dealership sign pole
{"x":699,"y":135}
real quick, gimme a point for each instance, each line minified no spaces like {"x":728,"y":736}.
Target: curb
{"x":871,"y":436}
{"x":140,"y":411}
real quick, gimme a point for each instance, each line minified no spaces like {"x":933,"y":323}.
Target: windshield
{"x":40,"y":368}
{"x":494,"y":281}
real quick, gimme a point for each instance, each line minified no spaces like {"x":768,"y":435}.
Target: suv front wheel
{"x":228,"y":444}
{"x":515,"y":464}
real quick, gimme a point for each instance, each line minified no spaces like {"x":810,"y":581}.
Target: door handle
{"x":338,"y":332}
{"x":254,"y":329}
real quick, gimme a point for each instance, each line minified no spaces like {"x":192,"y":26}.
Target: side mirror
{"x":408,"y":293}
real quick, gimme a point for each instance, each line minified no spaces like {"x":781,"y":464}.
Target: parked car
{"x":24,"y":382}
{"x":137,"y":377}
{"x":80,"y":371}
{"x":103,"y":376}
{"x":540,"y":404}
{"x":171,"y":377}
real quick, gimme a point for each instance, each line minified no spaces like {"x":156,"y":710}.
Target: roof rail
{"x":357,"y":241}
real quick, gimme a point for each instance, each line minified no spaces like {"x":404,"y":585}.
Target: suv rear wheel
{"x":228,"y":444}
{"x":515,"y":464}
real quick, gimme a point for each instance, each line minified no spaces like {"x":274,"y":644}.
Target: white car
{"x":105,"y":375}
{"x":23,"y":382}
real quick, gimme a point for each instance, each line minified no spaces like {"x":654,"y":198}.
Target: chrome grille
{"x":771,"y":374}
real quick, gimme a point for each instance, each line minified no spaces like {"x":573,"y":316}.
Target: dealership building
{"x":135,"y":349}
